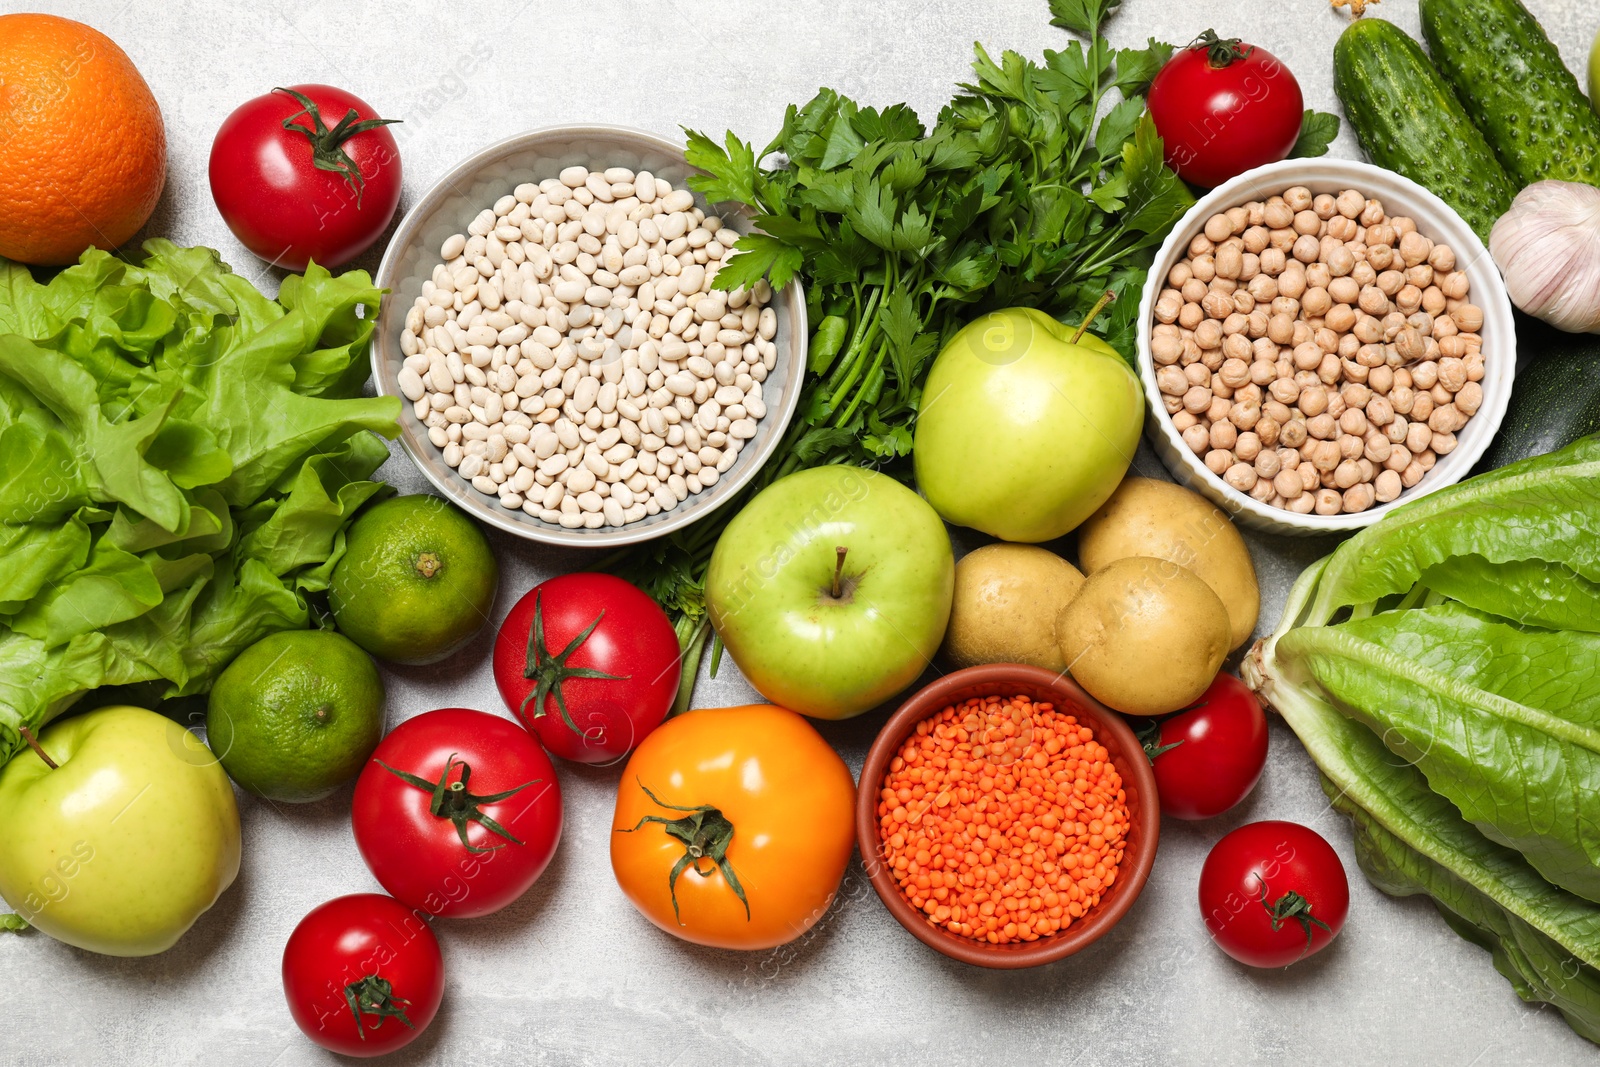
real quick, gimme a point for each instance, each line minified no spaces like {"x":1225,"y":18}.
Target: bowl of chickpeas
{"x":1322,"y":340}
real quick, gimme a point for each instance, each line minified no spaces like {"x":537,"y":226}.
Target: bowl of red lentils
{"x":1006,"y":818}
{"x":1321,"y":341}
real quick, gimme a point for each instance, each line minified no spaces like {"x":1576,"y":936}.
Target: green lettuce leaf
{"x":1545,"y":509}
{"x":179,"y":458}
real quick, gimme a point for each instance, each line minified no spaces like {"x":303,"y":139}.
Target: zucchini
{"x":1496,"y":57}
{"x":1556,"y":399}
{"x":1407,"y":120}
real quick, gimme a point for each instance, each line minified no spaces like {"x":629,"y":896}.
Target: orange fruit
{"x":83,"y":153}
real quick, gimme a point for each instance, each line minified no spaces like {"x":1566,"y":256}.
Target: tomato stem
{"x":1222,"y":51}
{"x":706,"y":834}
{"x":454,"y":801}
{"x":327,"y":146}
{"x":375,"y":996}
{"x":38,"y":749}
{"x":550,"y":671}
{"x":1149,"y":734}
{"x":1291,"y":906}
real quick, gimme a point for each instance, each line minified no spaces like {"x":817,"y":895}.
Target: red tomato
{"x":1223,"y":107}
{"x":1273,"y":893}
{"x":597,"y":674}
{"x":363,"y":975}
{"x":278,"y":201}
{"x":480,"y":842}
{"x":1209,"y":756}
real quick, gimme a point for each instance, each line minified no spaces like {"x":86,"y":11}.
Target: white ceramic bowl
{"x":1436,"y":220}
{"x":447,"y":208}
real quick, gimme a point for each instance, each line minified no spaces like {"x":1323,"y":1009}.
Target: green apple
{"x":1024,"y":432}
{"x":121,"y":846}
{"x":831,"y":590}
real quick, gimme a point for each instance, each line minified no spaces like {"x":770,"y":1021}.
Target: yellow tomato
{"x":733,"y":826}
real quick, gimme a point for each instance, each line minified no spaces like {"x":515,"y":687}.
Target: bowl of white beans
{"x":1322,"y":341}
{"x":570,"y":373}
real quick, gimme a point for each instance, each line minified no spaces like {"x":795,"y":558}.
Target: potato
{"x":1144,"y":635}
{"x":1006,"y":603}
{"x":1147,"y":517}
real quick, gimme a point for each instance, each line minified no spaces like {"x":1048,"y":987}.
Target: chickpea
{"x":1328,"y":502}
{"x":1321,"y":427}
{"x":1238,"y":218}
{"x":1340,"y":318}
{"x":1318,"y":276}
{"x":1469,"y":317}
{"x":1218,"y":228}
{"x":1287,"y":483}
{"x":1443,"y":443}
{"x":1247,"y":446}
{"x":1381,"y":257}
{"x":1453,"y":284}
{"x":1198,"y":439}
{"x":1246,"y":415}
{"x":1330,"y":368}
{"x":1387,"y":486}
{"x":1220,"y":408}
{"x":1359,"y":498}
{"x":1343,"y":230}
{"x":1316,"y":301}
{"x":1263,"y":492}
{"x":1217,"y":305}
{"x":1306,"y":249}
{"x":1380,"y":380}
{"x":1324,"y":205}
{"x":1269,"y":430}
{"x":1218,"y":461}
{"x":1182,"y":420}
{"x":1204,"y":267}
{"x":1414,"y":248}
{"x":1343,"y":289}
{"x":1241,"y":476}
{"x":1399,"y":458}
{"x":1194,"y":290}
{"x":1179,"y":275}
{"x":1418,"y":436}
{"x":1377,"y":449}
{"x":1201,"y":245}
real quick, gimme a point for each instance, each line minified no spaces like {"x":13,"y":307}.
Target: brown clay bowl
{"x":1127,"y":756}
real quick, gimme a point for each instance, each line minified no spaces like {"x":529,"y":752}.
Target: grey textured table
{"x":570,"y":974}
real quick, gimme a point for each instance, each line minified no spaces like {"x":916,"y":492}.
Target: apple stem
{"x":1100,"y":305}
{"x":33,"y":743}
{"x":838,"y":572}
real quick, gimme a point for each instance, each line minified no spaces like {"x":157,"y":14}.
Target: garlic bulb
{"x":1548,"y":249}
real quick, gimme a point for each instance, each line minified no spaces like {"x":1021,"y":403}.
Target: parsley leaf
{"x":1317,"y":132}
{"x":1082,"y":16}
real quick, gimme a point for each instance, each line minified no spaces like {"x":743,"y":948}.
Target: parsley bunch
{"x":1028,"y":190}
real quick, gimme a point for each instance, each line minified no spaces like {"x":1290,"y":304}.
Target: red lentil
{"x":1002,"y":819}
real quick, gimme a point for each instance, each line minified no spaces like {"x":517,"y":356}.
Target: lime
{"x":417,"y":580}
{"x":295,"y":714}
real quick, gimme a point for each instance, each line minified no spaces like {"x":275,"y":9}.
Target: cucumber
{"x":1556,"y":399}
{"x":1407,"y":120}
{"x":1496,"y":57}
